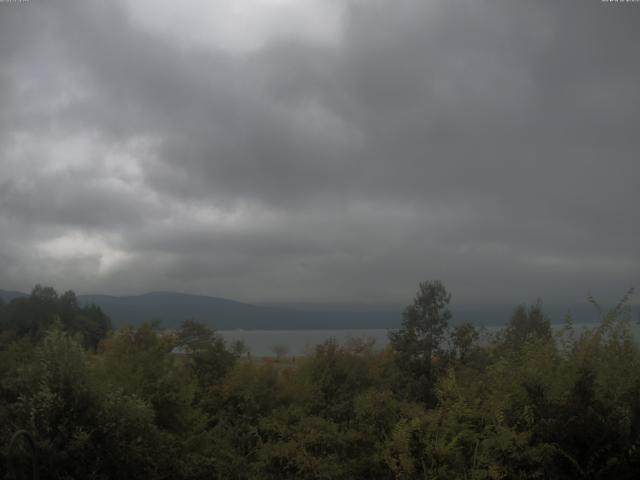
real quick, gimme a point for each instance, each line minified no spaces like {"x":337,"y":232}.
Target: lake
{"x":298,"y":342}
{"x":261,"y":342}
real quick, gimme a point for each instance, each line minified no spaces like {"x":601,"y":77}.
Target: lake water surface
{"x":299,"y":342}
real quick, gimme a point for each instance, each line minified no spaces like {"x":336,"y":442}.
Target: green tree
{"x":140,"y":362}
{"x":526,"y":325}
{"x":193,"y":336}
{"x":280,"y":351}
{"x":32,"y":316}
{"x":420,"y":337}
{"x":464,"y":338}
{"x":207,"y":356}
{"x":82,"y":428}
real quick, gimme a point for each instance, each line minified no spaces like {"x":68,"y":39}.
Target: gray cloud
{"x":490,"y":144}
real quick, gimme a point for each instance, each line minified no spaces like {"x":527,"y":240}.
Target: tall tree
{"x":525,"y":326}
{"x":420,"y":337}
{"x":464,"y":337}
{"x":208,"y":357}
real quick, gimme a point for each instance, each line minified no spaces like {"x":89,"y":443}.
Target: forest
{"x":442,"y":401}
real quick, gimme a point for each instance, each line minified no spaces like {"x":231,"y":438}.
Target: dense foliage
{"x":440,"y":402}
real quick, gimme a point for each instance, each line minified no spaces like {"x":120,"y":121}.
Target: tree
{"x":280,"y":351}
{"x":525,"y":326}
{"x":44,"y":294}
{"x":418,"y":341}
{"x":240,"y":348}
{"x":194,"y":336}
{"x":464,"y":337}
{"x":208,"y":358}
{"x":32,"y":316}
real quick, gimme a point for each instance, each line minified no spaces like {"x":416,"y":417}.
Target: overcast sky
{"x":321,"y":150}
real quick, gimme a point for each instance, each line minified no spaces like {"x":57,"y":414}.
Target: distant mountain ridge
{"x":7,"y":296}
{"x":171,"y":308}
{"x":223,"y":314}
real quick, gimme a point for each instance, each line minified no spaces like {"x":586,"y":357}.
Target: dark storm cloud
{"x":488,"y":143}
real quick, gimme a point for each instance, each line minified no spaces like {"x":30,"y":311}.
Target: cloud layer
{"x":321,"y":150}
